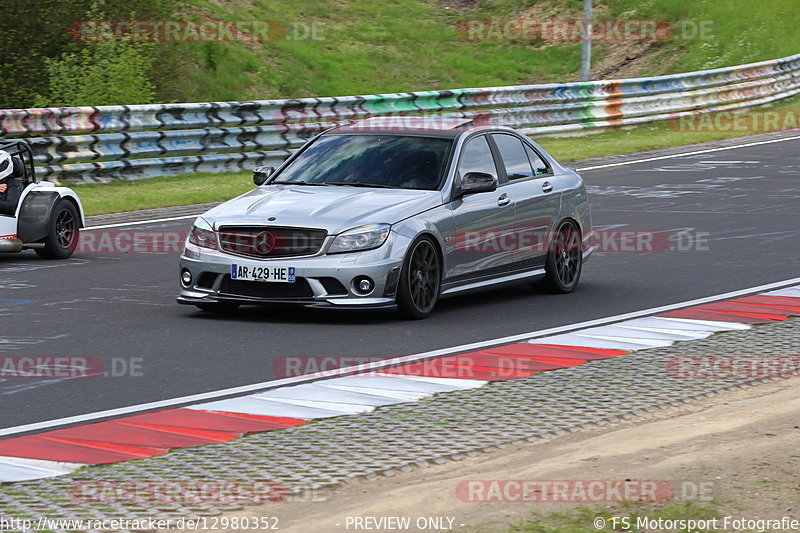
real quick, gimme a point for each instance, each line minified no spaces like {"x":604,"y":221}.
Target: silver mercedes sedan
{"x":392,"y":213}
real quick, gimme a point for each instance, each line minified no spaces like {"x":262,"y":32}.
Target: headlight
{"x":203,"y":235}
{"x":360,"y":238}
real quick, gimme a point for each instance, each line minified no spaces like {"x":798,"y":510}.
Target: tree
{"x":104,"y":74}
{"x":43,"y":65}
{"x":30,"y":33}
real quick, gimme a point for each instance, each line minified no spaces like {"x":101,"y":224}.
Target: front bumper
{"x":322,"y":281}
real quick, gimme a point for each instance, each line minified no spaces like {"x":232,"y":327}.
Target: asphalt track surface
{"x":733,"y":218}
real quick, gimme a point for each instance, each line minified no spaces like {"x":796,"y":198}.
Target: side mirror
{"x":262,"y":174}
{"x":473,"y":182}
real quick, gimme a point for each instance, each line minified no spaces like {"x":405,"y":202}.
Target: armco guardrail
{"x":131,"y":142}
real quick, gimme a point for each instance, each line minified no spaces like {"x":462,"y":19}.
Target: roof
{"x":439,"y":125}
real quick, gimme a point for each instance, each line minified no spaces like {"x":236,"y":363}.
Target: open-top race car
{"x":35,"y":215}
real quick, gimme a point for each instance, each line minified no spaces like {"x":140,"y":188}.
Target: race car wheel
{"x":62,"y":238}
{"x":420,"y":280}
{"x":564,"y":260}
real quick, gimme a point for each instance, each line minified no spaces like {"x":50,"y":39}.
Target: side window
{"x":477,"y":157}
{"x":539,"y":166}
{"x":514,"y":159}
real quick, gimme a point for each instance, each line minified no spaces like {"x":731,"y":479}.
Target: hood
{"x":334,"y":208}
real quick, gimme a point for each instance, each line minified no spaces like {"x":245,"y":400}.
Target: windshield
{"x":396,"y":161}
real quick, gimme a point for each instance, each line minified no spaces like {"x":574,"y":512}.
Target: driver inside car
{"x":10,"y":188}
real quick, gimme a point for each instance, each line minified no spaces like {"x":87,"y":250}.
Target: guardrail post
{"x":586,"y":50}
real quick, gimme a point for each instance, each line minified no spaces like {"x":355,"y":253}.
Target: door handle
{"x":503,"y":200}
{"x":547,"y":186}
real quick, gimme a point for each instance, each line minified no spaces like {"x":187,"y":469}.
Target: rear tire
{"x":564,"y":260}
{"x":62,"y":238}
{"x":420,"y":280}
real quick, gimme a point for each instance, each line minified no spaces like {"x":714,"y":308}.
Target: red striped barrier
{"x":155,"y":433}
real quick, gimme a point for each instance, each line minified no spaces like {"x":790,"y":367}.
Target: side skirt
{"x":490,"y":282}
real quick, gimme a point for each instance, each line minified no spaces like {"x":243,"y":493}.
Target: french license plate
{"x":275,"y":274}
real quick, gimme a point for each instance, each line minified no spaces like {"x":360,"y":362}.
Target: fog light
{"x":186,"y":277}
{"x":363,"y":285}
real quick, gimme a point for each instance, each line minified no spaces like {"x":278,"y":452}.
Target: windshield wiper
{"x":294,"y":183}
{"x":359,"y":184}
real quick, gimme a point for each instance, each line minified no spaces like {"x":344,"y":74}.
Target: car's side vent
{"x":333,"y":286}
{"x":206,"y":280}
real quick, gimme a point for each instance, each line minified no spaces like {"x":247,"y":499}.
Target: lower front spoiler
{"x":361,"y":304}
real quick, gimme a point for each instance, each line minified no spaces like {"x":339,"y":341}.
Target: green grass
{"x":362,"y":47}
{"x":198,"y":188}
{"x":740,"y":31}
{"x":581,"y":519}
{"x":185,"y":189}
{"x":646,"y":137}
{"x":366,"y":47}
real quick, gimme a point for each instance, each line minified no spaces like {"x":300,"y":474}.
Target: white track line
{"x":685,"y":154}
{"x":151,"y":221}
{"x":224,"y":393}
{"x":597,"y":167}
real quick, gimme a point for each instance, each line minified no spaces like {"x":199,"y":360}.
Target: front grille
{"x":263,"y":241}
{"x":333,"y":286}
{"x":265,"y":289}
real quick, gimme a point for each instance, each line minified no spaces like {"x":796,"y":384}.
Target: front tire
{"x":564,"y":260}
{"x":420,"y":280}
{"x":62,"y":238}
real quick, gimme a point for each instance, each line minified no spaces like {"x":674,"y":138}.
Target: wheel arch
{"x":436,"y":244}
{"x":69,"y":195}
{"x":414,"y":228}
{"x":576,"y":207}
{"x":557,"y":222}
{"x":553,"y":281}
{"x":571,"y":219}
{"x":35,"y":212}
{"x":405,"y":299}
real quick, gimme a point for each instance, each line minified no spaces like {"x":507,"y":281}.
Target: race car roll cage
{"x":21,"y":149}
